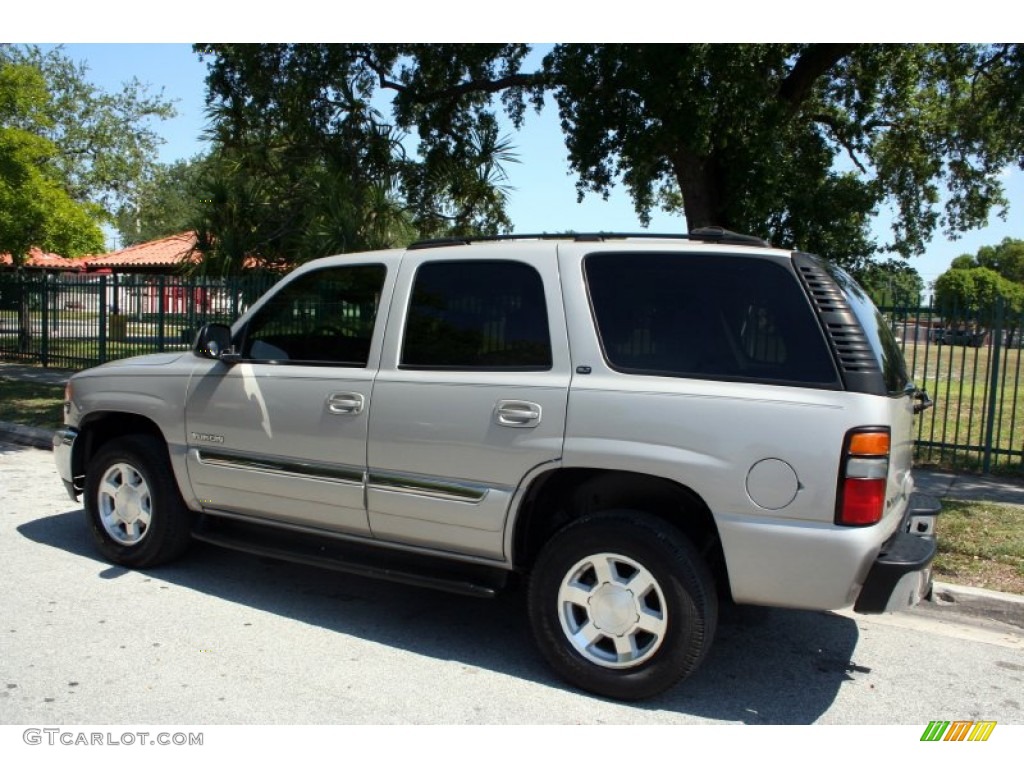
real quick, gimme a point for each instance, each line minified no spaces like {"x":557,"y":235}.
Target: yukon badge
{"x":201,"y":437}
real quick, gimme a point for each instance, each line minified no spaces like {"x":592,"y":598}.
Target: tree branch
{"x":840,"y":136}
{"x":452,"y":93}
{"x":814,"y":62}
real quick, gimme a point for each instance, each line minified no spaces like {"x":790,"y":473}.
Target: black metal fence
{"x":80,"y":320}
{"x":971,"y":363}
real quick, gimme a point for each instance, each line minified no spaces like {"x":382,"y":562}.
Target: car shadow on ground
{"x":768,"y":666}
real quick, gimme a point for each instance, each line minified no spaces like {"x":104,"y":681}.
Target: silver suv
{"x":633,"y":426}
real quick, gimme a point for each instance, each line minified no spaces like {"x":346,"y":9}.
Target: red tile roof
{"x":170,"y":251}
{"x":164,"y":254}
{"x":40,"y":260}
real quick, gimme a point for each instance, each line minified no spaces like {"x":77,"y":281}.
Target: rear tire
{"x":622,"y":605}
{"x":133,"y":505}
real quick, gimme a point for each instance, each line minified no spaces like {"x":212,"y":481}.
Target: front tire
{"x":133,"y":505}
{"x":622,"y":605}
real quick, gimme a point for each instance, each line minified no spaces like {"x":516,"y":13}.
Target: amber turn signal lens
{"x":869,"y":444}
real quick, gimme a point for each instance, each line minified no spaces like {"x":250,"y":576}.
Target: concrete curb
{"x":34,"y":437}
{"x":982,"y":603}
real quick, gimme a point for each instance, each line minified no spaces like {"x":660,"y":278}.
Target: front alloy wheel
{"x":125,"y":504}
{"x":133,"y":505}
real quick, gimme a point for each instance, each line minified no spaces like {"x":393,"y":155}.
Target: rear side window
{"x":706,"y":316}
{"x":487,"y":315}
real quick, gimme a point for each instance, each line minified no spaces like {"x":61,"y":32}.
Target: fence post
{"x":161,"y":285}
{"x":102,"y":352}
{"x":993,"y":387}
{"x":45,"y":349}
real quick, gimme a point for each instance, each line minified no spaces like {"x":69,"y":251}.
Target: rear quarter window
{"x":706,"y":316}
{"x":884,"y":345}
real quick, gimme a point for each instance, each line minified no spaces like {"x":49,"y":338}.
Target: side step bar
{"x":336,"y":555}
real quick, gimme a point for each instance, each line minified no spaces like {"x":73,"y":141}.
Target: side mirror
{"x":214,"y":343}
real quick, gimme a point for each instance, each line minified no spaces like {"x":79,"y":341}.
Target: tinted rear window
{"x":706,"y":316}
{"x":487,"y":315}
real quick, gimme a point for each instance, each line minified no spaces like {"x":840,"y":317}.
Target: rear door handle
{"x":517,"y":413}
{"x":345,"y":403}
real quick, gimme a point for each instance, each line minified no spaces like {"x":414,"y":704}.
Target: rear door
{"x":470,"y":397}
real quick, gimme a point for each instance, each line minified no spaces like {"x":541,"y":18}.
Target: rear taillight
{"x":863,"y":474}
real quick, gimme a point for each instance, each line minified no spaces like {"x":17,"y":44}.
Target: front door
{"x":282,"y":434}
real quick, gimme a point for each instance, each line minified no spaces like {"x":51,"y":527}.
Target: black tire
{"x":655,"y":570}
{"x":133,"y":505}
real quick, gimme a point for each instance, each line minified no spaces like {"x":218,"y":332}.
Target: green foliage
{"x":107,"y":141}
{"x":753,"y":135}
{"x":800,"y":143}
{"x":305,"y":165}
{"x":977,"y":283}
{"x":963,"y":261}
{"x":35,"y":208}
{"x":1007,"y":259}
{"x":171,"y":199}
{"x":891,"y":283}
{"x":977,"y":290}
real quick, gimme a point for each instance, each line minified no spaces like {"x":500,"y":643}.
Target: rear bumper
{"x":901,"y":575}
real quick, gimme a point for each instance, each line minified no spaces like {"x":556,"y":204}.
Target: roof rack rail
{"x":720,"y":235}
{"x":703,"y":234}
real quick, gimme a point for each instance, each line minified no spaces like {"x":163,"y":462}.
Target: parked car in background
{"x":962,"y":337}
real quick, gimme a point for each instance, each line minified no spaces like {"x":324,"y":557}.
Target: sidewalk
{"x":34,"y":373}
{"x":949,"y":485}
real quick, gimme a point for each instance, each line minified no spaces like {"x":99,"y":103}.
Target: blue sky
{"x":544,"y":194}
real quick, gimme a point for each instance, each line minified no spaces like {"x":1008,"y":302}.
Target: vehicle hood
{"x":158,"y":358}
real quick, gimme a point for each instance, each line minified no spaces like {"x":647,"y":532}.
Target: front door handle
{"x":345,"y":403}
{"x":517,"y":413}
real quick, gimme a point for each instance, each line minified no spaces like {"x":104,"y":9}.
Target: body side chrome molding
{"x":434,"y":487}
{"x":310,"y":470}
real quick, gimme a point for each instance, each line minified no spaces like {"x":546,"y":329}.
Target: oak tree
{"x":799,"y":143}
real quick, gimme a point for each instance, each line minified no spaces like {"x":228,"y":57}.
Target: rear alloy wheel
{"x":612,"y":610}
{"x":622,"y":605}
{"x":133,"y":505}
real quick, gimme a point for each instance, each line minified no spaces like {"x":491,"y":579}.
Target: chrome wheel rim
{"x":125,"y":504}
{"x":612,"y":610}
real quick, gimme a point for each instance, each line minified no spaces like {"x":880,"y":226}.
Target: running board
{"x":369,"y":561}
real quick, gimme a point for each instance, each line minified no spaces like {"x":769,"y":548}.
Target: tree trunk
{"x":702,"y":194}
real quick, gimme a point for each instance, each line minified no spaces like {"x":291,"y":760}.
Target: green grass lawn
{"x":981,"y":545}
{"x":958,"y":380}
{"x":31,"y":403}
